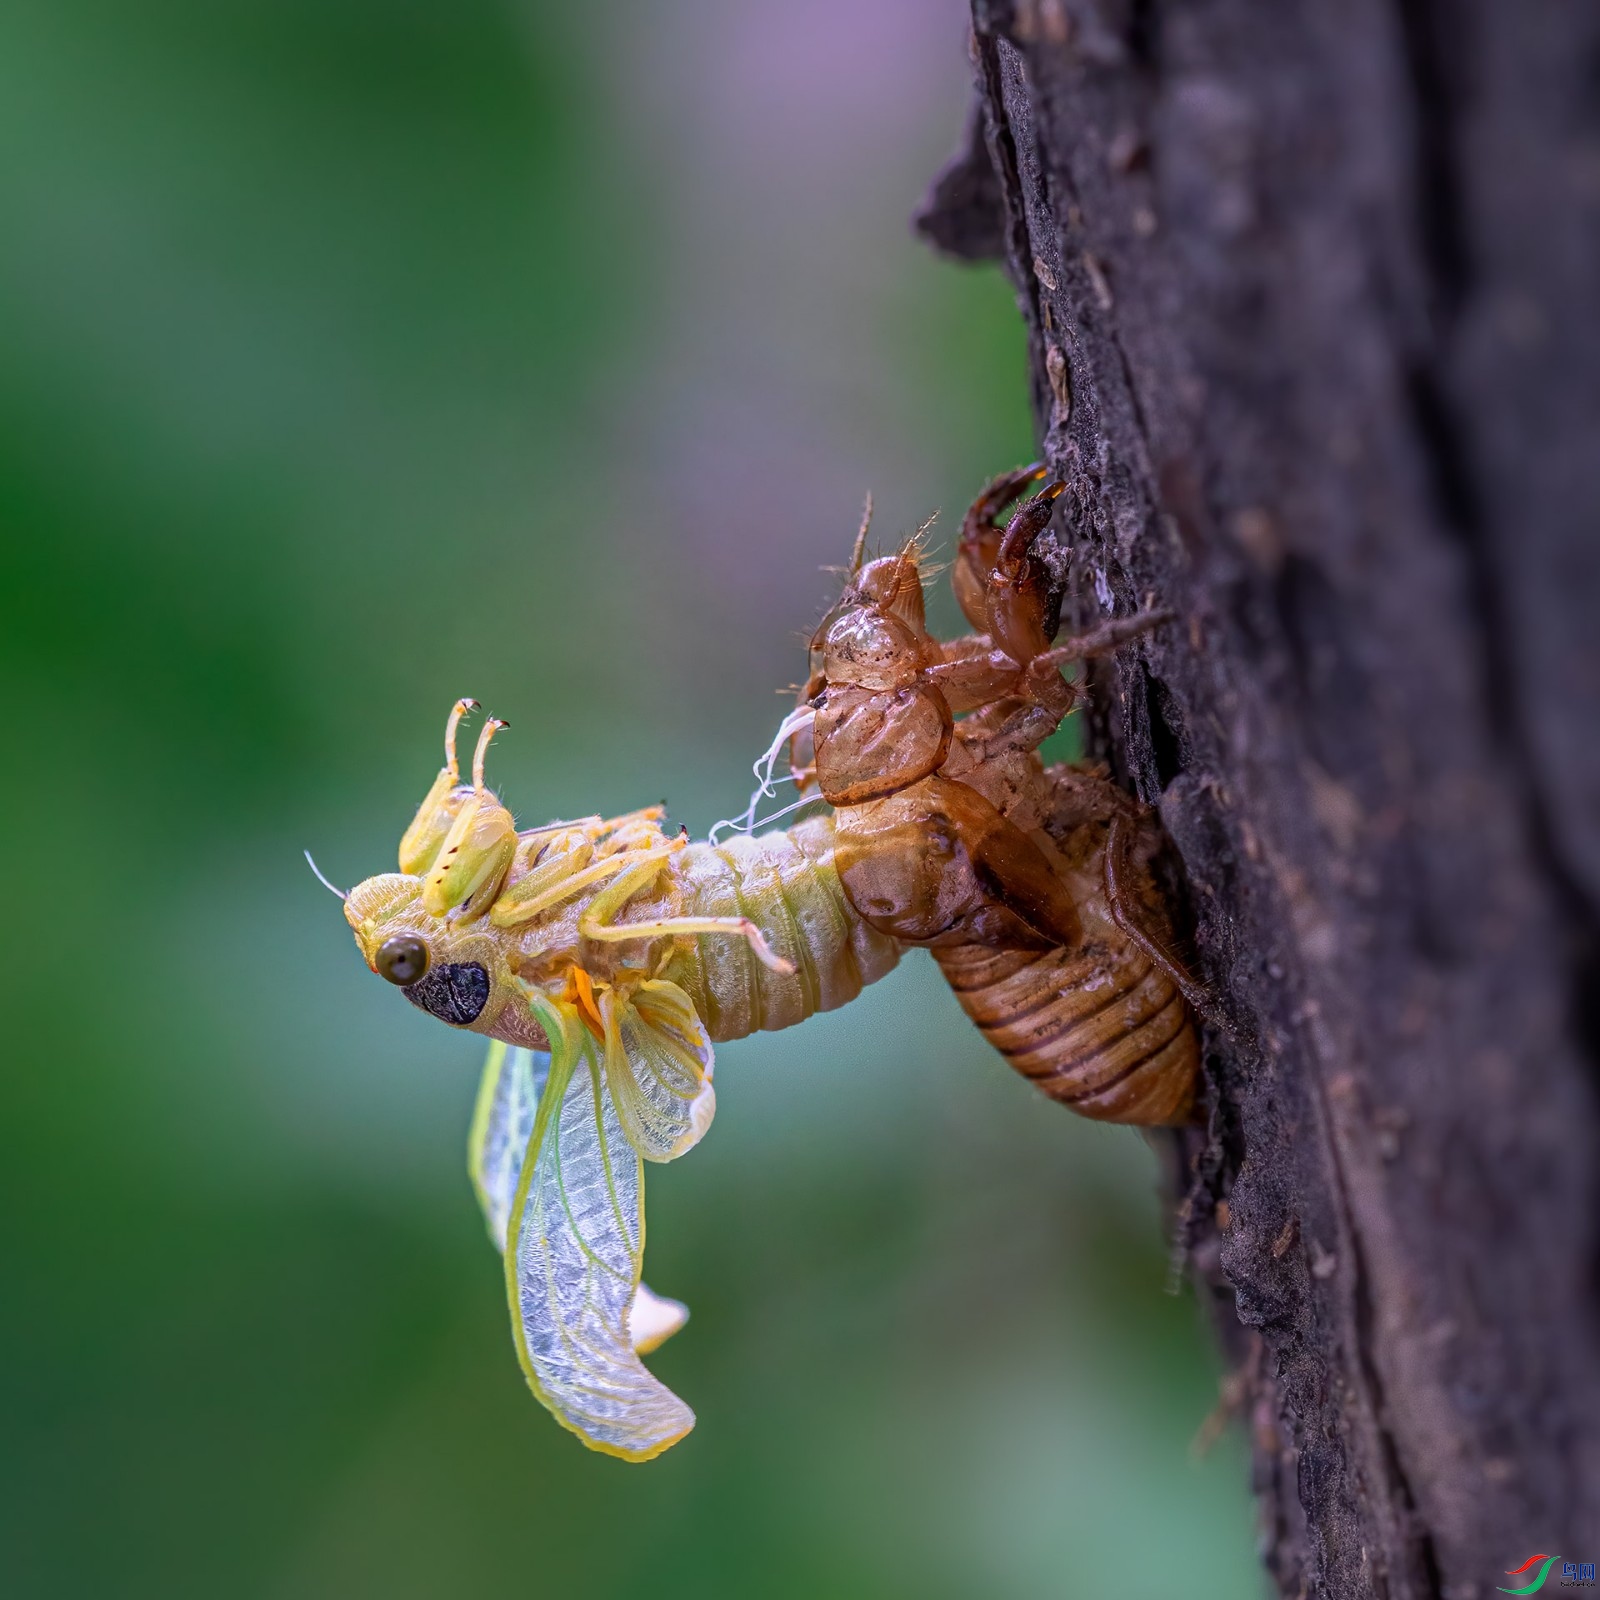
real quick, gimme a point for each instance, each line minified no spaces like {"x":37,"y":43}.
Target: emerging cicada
{"x":604,"y":958}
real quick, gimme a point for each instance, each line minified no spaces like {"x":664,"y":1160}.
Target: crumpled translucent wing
{"x":572,"y":1265}
{"x":508,"y":1098}
{"x":658,"y":1063}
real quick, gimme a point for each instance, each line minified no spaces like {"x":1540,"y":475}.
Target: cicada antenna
{"x":332,"y":888}
{"x":861,"y":536}
{"x":917,"y":544}
{"x":457,"y":712}
{"x":490,"y":729}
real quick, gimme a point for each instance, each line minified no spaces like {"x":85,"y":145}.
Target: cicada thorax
{"x":556,"y":875}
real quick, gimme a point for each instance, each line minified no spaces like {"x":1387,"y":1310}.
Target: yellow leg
{"x":596,"y":922}
{"x":644,"y":814}
{"x":509,"y":912}
{"x":736,"y":927}
{"x":587,"y":826}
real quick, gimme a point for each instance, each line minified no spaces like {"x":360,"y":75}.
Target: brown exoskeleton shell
{"x":1032,"y":886}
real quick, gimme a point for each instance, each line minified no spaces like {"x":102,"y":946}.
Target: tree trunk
{"x":1311,"y":292}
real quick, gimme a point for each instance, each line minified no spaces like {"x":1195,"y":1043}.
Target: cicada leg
{"x":1111,"y":635}
{"x":1040,"y":699}
{"x":1130,"y":909}
{"x":1009,"y":591}
{"x":557,"y":880}
{"x":1014,"y":596}
{"x":1089,"y":814}
{"x":979,"y":546}
{"x":1001,"y":585}
{"x":596,"y":922}
{"x":419,"y":845}
{"x":671,"y":927}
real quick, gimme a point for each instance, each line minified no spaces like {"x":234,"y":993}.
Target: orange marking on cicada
{"x":580,"y":995}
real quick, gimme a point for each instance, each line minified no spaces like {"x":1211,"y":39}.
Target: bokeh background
{"x":354,"y":355}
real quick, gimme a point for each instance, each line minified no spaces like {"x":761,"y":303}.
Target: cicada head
{"x":424,"y":928}
{"x":454,"y":967}
{"x":877,"y":637}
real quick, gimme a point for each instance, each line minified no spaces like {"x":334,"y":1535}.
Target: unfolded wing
{"x":572,"y":1261}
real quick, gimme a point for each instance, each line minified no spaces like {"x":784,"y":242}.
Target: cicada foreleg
{"x":1010,"y":586}
{"x":979,"y":544}
{"x":1009,"y":590}
{"x":1132,"y":913}
{"x":1003,"y":584}
{"x":1079,"y":799}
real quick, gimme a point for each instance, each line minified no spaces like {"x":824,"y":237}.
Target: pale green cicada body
{"x":603,"y":958}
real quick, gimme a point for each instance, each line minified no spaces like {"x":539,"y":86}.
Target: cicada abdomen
{"x":1103,"y":1031}
{"x":786,"y":883}
{"x":1101,"y":1027}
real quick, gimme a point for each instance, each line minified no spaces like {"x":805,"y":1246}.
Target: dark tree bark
{"x":1312,"y":298}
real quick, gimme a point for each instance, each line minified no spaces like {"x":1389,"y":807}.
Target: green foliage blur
{"x":354,"y":356}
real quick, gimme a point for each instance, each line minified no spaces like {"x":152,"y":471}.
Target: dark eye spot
{"x":402,"y":959}
{"x":454,"y":993}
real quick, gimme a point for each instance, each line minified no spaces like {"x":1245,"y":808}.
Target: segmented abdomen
{"x":785,"y":882}
{"x":1101,"y":1028}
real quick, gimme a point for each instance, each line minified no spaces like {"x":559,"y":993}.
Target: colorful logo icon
{"x":1574,"y":1574}
{"x":1538,"y":1583}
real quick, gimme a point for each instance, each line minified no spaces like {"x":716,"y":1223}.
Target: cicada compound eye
{"x":402,"y":959}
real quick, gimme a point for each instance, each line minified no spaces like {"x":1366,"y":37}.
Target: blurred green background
{"x":354,"y":356}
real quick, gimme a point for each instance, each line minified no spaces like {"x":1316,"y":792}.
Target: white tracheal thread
{"x":747,"y":822}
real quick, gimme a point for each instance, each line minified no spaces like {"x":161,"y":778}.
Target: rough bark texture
{"x":1312,"y":297}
